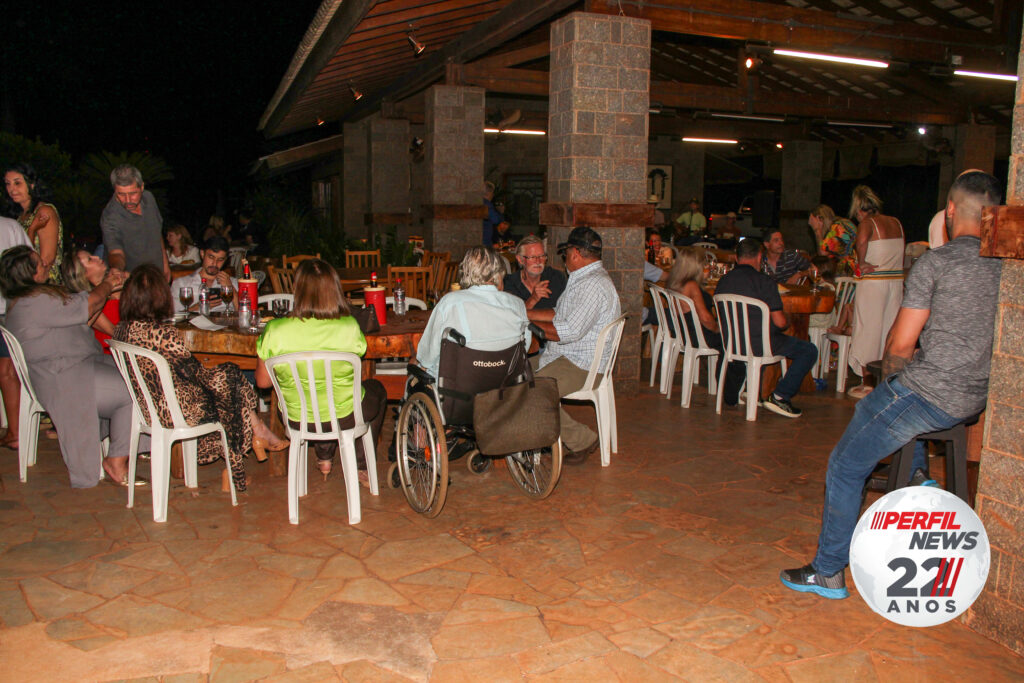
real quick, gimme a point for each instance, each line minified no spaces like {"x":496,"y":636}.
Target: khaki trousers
{"x":575,"y":435}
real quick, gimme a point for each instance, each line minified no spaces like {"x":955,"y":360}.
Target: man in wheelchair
{"x":475,"y":338}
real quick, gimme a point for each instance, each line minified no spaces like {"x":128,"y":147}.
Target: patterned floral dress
{"x":26,"y":222}
{"x":220,"y":394}
{"x":838,"y":243}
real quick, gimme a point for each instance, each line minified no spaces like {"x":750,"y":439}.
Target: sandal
{"x":860,"y":391}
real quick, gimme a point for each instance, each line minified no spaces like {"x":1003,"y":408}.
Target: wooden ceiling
{"x":697,"y":54}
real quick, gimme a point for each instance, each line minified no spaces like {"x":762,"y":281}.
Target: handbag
{"x":517,"y":417}
{"x":367,"y":319}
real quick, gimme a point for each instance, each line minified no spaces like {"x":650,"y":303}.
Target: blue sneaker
{"x":806,"y":579}
{"x":919,"y":478}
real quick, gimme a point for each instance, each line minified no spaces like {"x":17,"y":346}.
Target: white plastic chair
{"x":603,"y":395}
{"x":269,"y":299}
{"x":734,"y":319}
{"x":31,"y":409}
{"x":146,"y":420}
{"x":660,"y":338}
{"x":846,"y":289}
{"x":309,"y":404}
{"x":410,"y":302}
{"x":693,"y":349}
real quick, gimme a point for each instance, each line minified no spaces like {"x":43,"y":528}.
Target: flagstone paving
{"x":663,"y":566}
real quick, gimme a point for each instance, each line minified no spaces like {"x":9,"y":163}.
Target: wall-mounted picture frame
{"x":659,"y":184}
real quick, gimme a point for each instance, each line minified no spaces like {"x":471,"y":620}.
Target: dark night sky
{"x":184,"y":80}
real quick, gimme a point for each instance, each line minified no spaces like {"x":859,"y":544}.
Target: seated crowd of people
{"x":62,"y":307}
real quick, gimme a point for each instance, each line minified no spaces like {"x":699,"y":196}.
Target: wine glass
{"x":227,"y":295}
{"x":185,"y":296}
{"x":280,"y":307}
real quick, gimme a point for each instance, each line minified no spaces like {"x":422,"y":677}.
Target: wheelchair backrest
{"x":464,"y":372}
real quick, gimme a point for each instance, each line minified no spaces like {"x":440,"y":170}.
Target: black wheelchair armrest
{"x":537,"y":331}
{"x":421,"y":375}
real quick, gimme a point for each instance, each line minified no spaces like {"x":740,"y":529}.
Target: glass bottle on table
{"x":204,"y":298}
{"x":399,"y":298}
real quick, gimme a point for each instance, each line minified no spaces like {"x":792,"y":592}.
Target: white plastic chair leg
{"x":189,"y":456}
{"x":721,"y":388}
{"x":347,"y":451}
{"x":370,"y":455}
{"x":668,"y":368}
{"x":712,"y":374}
{"x":656,"y":346}
{"x":28,"y":437}
{"x":294,"y":458}
{"x":842,"y":369}
{"x":690,"y":368}
{"x":753,"y":389}
{"x":160,"y":475}
{"x":612,"y":418}
{"x":227,"y":464}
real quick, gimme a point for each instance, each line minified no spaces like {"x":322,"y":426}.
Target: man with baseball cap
{"x":587,"y":305}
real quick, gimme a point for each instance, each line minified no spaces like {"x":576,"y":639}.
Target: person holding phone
{"x":222,"y":287}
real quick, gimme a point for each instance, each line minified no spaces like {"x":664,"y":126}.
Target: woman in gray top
{"x":76,"y":383}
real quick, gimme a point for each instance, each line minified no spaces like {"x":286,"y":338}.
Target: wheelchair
{"x":434,"y":426}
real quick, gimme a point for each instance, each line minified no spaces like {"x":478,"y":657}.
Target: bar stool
{"x":956,"y":459}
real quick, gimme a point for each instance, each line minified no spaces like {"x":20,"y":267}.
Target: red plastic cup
{"x":248,"y":289}
{"x":375,"y":297}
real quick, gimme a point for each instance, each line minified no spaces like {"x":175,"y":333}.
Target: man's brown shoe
{"x":570,"y":457}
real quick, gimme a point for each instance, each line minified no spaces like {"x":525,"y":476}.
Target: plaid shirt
{"x":588,"y":303}
{"x":790,"y":262}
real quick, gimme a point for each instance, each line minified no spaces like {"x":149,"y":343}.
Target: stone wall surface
{"x":355,"y":178}
{"x":454,"y":118}
{"x":999,"y":611}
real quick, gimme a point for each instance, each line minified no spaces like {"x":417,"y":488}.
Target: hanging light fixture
{"x":356,"y":95}
{"x":833,"y":58}
{"x":320,"y":121}
{"x":417,"y":46}
{"x":984,"y":74}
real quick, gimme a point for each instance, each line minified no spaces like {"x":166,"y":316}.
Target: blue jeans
{"x":801,"y":354}
{"x":885,"y":420}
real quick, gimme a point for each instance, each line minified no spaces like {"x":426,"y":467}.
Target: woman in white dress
{"x":880,"y":247}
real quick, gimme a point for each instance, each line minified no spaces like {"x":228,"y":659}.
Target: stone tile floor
{"x":661,"y":567}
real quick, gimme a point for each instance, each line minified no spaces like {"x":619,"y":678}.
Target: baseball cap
{"x":583,"y":238}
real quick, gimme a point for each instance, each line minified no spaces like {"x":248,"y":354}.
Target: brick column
{"x":801,"y":192}
{"x":453,"y":212}
{"x":597,"y":154}
{"x":388,"y":182}
{"x":999,"y":611}
{"x":355,"y":177}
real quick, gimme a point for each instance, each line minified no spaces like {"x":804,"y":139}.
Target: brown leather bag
{"x":517,"y":417}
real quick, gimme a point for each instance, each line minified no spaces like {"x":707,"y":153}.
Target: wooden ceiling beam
{"x":515,"y":18}
{"x":661,"y":63}
{"x":516,"y":57}
{"x":782,"y":25}
{"x":338,"y":29}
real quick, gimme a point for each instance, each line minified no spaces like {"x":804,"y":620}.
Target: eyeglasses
{"x":542,"y":257}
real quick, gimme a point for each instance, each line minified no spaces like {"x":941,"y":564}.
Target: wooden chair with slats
{"x":434,"y":260}
{"x":415,"y":280}
{"x":282,"y":280}
{"x":446,"y":275}
{"x":362,"y":259}
{"x":292,"y":262}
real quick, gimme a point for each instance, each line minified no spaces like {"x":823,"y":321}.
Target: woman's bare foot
{"x":116,"y":469}
{"x":9,"y":441}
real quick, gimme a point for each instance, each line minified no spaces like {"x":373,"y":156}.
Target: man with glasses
{"x":131,"y":223}
{"x":587,"y":306}
{"x":536,"y":283}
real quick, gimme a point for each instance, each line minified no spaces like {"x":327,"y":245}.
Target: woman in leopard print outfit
{"x":220,"y":394}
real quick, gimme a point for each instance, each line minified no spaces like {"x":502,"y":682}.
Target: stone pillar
{"x":597,"y":154}
{"x":355,"y":177}
{"x":388,"y":198}
{"x":999,"y":611}
{"x":801,"y":192}
{"x":454,"y":211}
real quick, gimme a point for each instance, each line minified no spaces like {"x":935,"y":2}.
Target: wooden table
{"x":356,"y":278}
{"x":398,"y":338}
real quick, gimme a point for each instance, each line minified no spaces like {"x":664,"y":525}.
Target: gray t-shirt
{"x":139,"y":237}
{"x":961,"y":289}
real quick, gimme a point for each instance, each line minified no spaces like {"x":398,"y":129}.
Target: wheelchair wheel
{"x":394,"y":480}
{"x":536,"y":472}
{"x":422,"y":455}
{"x":477,"y":462}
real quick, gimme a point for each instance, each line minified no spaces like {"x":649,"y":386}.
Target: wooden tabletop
{"x":398,"y":338}
{"x":799,"y":298}
{"x":361,"y":275}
